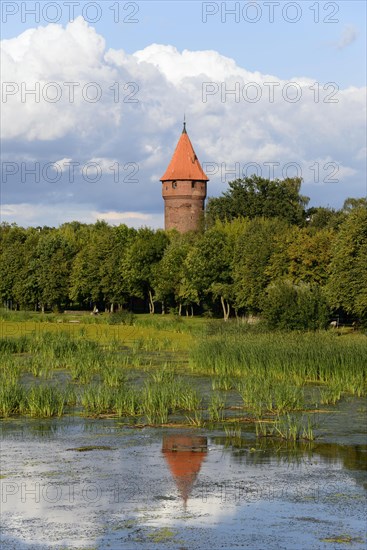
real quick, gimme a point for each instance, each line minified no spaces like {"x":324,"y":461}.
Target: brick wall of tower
{"x":183,"y":204}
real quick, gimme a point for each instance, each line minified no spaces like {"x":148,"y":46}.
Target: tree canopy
{"x":256,"y":256}
{"x":254,"y":196}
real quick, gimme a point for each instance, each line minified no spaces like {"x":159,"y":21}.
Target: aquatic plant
{"x":12,"y":397}
{"x":157,"y":402}
{"x":10,"y":368}
{"x":330,"y":394}
{"x":97,"y":399}
{"x":223,"y":382}
{"x":233,"y":430}
{"x":188,"y":398}
{"x":113,"y":377}
{"x":216,"y":408}
{"x":287,"y":427}
{"x":45,"y":401}
{"x":126,"y":402}
{"x":196,"y":419}
{"x":274,"y":373}
{"x":18,"y":344}
{"x":79,"y":370}
{"x":300,"y":358}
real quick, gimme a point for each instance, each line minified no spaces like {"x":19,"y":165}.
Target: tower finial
{"x":184,"y":124}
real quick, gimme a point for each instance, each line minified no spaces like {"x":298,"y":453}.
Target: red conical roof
{"x":184,"y":164}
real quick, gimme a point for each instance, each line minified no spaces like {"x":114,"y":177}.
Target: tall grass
{"x":171,"y":323}
{"x":331,"y":394}
{"x":10,"y":344}
{"x":165,"y":394}
{"x":301,"y":358}
{"x":40,"y":401}
{"x":12,"y":398}
{"x":216,"y":408}
{"x":40,"y":366}
{"x":151,"y":343}
{"x":266,"y":394}
{"x":10,"y":368}
{"x":196,"y":419}
{"x":98,"y":399}
{"x":292,"y":428}
{"x":46,"y":401}
{"x":126,"y":402}
{"x":157,"y":403}
{"x":20,"y":316}
{"x":113,"y":376}
{"x":222,"y":382}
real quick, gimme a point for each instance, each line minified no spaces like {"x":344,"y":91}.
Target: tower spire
{"x":184,"y":125}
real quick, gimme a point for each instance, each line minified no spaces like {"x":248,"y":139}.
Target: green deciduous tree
{"x":138,"y":265}
{"x":169,"y":274}
{"x":350,"y":203}
{"x":302,"y":255}
{"x":347,"y":283}
{"x":27,"y":286}
{"x":12,"y":261}
{"x":321,"y":218}
{"x":208,"y":268}
{"x":54,"y":261}
{"x":254,"y":196}
{"x":252,"y":255}
{"x":276,"y":266}
{"x":96,"y":275}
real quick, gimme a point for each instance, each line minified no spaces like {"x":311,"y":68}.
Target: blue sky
{"x":302,"y":42}
{"x":305,"y":47}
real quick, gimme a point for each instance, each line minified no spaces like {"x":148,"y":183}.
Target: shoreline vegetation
{"x":172,"y":371}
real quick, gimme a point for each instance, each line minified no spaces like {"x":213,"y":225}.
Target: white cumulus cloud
{"x":68,"y":97}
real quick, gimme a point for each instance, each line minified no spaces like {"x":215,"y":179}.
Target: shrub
{"x":121,"y":318}
{"x":295,"y":307}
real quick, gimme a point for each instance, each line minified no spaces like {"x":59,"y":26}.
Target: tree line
{"x":261,"y":252}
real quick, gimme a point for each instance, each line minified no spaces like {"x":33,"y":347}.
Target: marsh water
{"x":76,"y":482}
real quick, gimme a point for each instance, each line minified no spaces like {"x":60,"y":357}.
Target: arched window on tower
{"x":174,"y":184}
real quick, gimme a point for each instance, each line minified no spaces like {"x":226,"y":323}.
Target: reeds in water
{"x":46,"y":401}
{"x":287,"y":427}
{"x":98,"y":399}
{"x":12,"y":398}
{"x":297,"y":358}
{"x":216,"y":408}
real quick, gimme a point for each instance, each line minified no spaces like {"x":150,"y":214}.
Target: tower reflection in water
{"x":184,"y":455}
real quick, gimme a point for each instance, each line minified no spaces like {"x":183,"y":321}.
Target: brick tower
{"x":184,"y":188}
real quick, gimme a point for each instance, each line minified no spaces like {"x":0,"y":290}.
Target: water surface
{"x":96,"y":483}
